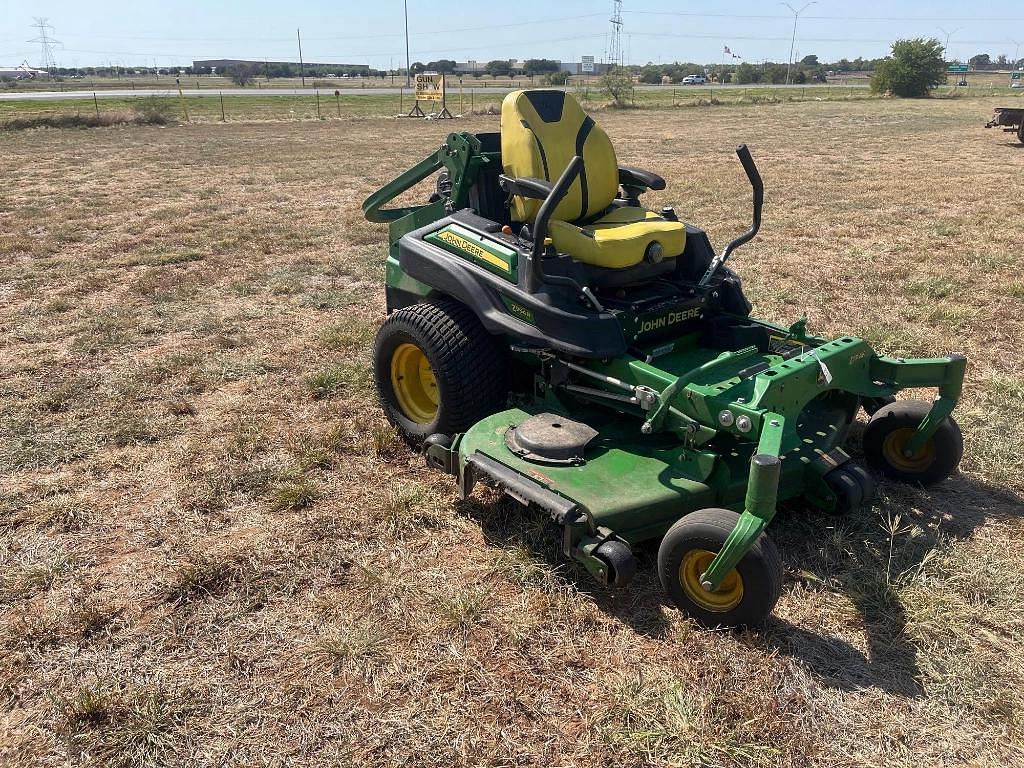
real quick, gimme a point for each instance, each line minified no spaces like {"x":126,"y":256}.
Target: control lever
{"x":758,"y":186}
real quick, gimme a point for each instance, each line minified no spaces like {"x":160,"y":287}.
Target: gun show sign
{"x":429,"y":87}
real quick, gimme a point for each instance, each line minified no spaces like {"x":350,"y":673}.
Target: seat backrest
{"x":541,"y":131}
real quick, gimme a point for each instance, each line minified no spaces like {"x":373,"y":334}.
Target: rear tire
{"x":437,"y":370}
{"x":746,"y":596}
{"x":889,"y":430}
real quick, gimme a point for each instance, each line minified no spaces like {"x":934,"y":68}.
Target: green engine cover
{"x":490,"y":255}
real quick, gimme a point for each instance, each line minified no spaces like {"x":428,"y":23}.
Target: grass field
{"x":214,"y":551}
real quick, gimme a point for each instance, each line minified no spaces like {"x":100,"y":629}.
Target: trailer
{"x":1010,"y":119}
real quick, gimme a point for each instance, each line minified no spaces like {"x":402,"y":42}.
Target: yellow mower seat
{"x":541,"y":131}
{"x":619,"y":238}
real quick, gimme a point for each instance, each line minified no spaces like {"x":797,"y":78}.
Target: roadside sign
{"x":1015,"y":75}
{"x":429,"y":87}
{"x":960,"y":68}
{"x":587,"y":65}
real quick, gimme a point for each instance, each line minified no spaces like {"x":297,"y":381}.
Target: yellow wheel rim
{"x":895,"y":444}
{"x":725,"y":598}
{"x":413,"y":382}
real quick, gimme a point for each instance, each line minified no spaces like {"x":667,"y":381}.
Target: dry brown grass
{"x":214,"y":551}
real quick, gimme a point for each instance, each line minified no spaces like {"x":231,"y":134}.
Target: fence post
{"x":223,"y":118}
{"x":96,"y":104}
{"x":318,"y":104}
{"x":401,"y":100}
{"x":337,"y":100}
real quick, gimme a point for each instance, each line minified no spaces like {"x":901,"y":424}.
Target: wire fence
{"x":217,"y":106}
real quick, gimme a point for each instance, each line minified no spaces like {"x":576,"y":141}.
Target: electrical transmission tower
{"x":615,"y":51}
{"x":46,"y":45}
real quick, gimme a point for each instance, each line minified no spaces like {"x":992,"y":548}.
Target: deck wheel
{"x":888,"y":434}
{"x":748,"y":593}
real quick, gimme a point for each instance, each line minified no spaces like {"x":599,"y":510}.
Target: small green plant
{"x":153,"y":110}
{"x":618,"y":84}
{"x":295,"y":494}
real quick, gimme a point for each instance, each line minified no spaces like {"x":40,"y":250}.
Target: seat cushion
{"x":619,"y":238}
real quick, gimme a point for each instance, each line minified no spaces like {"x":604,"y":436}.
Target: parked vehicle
{"x":1010,"y":119}
{"x":695,"y":80}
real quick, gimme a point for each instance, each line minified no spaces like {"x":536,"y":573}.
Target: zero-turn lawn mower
{"x":548,"y":335}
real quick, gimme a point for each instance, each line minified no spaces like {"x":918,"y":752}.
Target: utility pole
{"x":792,"y":42}
{"x":615,"y":52}
{"x":302,"y":68}
{"x":945,"y":48}
{"x":1016,"y":52}
{"x":408,"y":63}
{"x":46,"y":45}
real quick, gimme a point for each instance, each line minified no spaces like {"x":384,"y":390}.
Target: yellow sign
{"x":429,"y":87}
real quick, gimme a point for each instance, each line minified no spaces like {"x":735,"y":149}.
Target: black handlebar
{"x":755,"y":181}
{"x":535,"y":272}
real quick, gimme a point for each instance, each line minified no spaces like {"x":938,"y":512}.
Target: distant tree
{"x":747,"y":74}
{"x":980,"y":61}
{"x":618,"y":84}
{"x":809,"y":61}
{"x":498,"y":67}
{"x":242,"y":74}
{"x":556,"y":78}
{"x":913,"y":70}
{"x":776,"y":73}
{"x":540,"y":66}
{"x":417,"y":67}
{"x":1002,"y":61}
{"x":443,"y":66}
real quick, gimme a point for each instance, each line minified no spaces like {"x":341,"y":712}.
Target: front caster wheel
{"x":889,"y":432}
{"x":748,"y":593}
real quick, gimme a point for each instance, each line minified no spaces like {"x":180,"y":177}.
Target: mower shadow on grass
{"x":853,"y":560}
{"x":868,"y":557}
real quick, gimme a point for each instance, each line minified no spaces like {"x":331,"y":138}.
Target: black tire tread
{"x":462,"y":354}
{"x":949,"y":442}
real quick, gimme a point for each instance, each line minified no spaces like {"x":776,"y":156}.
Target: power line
{"x":286,"y":40}
{"x":922,"y":19}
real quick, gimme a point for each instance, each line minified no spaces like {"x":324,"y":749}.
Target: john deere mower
{"x":551,"y":337}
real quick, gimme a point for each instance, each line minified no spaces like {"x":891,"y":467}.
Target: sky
{"x":372,"y":31}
